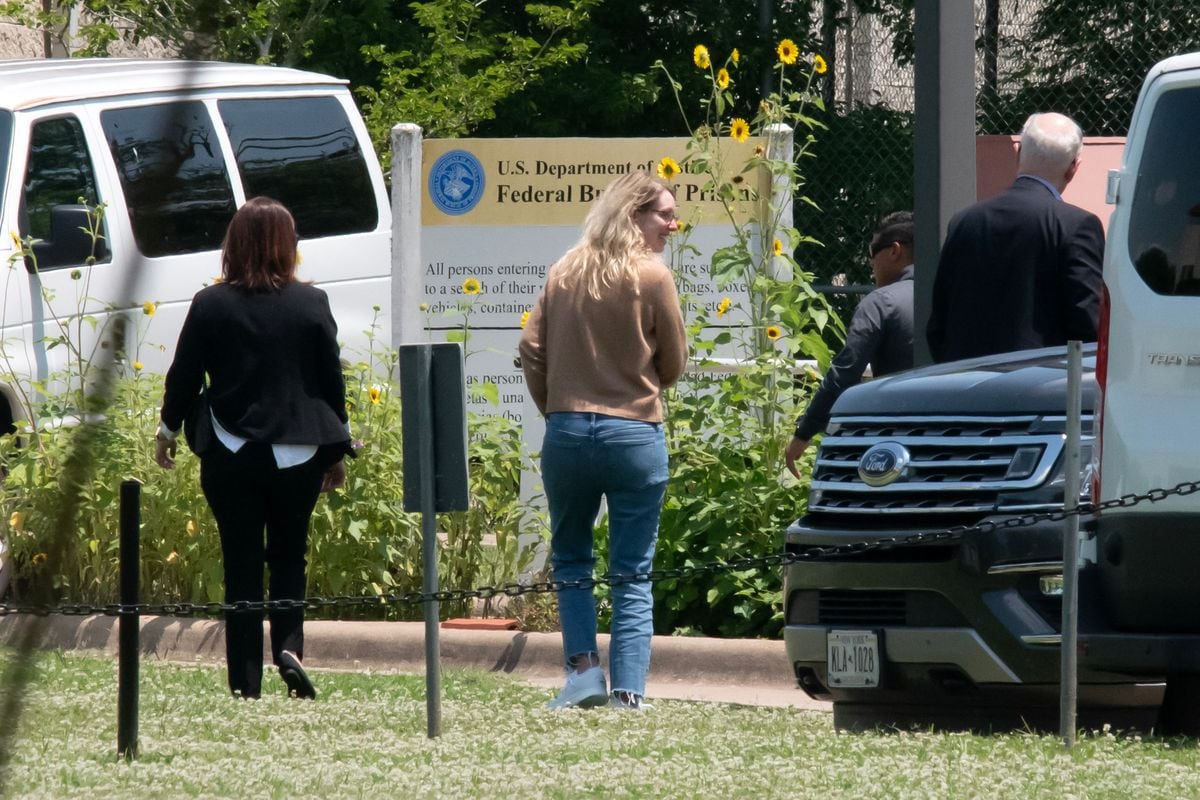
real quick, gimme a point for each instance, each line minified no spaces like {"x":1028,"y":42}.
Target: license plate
{"x":853,"y":659}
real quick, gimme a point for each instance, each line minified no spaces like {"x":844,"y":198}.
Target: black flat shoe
{"x":295,"y":677}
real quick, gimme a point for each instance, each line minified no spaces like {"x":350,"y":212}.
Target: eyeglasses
{"x":665,"y":216}
{"x":875,"y":248}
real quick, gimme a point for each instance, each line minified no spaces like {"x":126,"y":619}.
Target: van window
{"x":176,"y":187}
{"x":1164,"y":224}
{"x":302,"y":152}
{"x":6,"y":127}
{"x":58,"y":177}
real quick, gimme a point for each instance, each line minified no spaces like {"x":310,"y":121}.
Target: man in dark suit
{"x":1022,"y":269}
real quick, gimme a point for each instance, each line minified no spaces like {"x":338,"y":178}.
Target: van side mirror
{"x":69,"y":243}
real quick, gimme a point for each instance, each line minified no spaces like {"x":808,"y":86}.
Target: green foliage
{"x":466,"y":65}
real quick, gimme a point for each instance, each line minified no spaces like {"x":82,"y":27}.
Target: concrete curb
{"x":753,"y":671}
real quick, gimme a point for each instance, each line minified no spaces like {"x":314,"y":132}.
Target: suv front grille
{"x":956,"y":464}
{"x":870,"y":608}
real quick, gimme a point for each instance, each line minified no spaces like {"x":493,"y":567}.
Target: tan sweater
{"x":611,"y":356}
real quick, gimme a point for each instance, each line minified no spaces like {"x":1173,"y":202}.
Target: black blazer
{"x":273,"y":364}
{"x":1017,"y":271}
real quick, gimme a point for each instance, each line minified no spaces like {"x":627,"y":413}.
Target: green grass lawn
{"x":364,"y":737}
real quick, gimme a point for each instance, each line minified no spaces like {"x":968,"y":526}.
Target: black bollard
{"x":128,"y":626}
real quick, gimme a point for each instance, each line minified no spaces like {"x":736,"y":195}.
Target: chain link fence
{"x":1084,"y":58}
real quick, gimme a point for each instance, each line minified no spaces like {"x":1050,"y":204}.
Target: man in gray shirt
{"x":880,"y":333}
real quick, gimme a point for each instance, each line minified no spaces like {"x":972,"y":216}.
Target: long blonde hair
{"x":607,"y":252}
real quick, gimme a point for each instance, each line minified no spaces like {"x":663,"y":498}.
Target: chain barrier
{"x":953,"y":534}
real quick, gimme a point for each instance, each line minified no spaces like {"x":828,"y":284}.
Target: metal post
{"x":943,"y":140}
{"x":129,"y":623}
{"x":429,"y":559}
{"x":1068,"y":678}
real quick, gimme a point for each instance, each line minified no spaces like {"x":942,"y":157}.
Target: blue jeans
{"x":586,"y":457}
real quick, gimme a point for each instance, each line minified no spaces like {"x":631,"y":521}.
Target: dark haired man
{"x":880,"y":333}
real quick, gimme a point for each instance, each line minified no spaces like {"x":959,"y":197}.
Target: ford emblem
{"x":883,"y":463}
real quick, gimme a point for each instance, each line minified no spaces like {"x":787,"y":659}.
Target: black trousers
{"x":250,"y":496}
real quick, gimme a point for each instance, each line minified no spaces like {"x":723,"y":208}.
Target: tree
{"x":467,"y":63}
{"x":1088,"y":59}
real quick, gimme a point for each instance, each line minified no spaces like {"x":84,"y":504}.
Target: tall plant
{"x":727,"y":426}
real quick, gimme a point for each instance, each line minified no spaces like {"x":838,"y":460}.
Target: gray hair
{"x":1050,"y":143}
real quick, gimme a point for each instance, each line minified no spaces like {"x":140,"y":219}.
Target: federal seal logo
{"x":456,"y":182}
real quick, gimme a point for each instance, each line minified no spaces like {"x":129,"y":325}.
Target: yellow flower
{"x":700,"y":56}
{"x":774,"y":332}
{"x":16,"y":520}
{"x":819,"y":65}
{"x":739,"y":131}
{"x":682,"y":227}
{"x":376,"y":394}
{"x":38,"y":558}
{"x":787,"y":51}
{"x":149,"y":307}
{"x":668,"y":168}
{"x":190,"y":527}
{"x":777,"y":246}
{"x":138,"y":366}
{"x":724,"y":306}
{"x":524,"y":319}
{"x":471,"y":286}
{"x":173,"y":557}
{"x":423,"y":307}
{"x":16,"y":240}
{"x":759,"y":152}
{"x":723,"y":78}
{"x":735,"y":56}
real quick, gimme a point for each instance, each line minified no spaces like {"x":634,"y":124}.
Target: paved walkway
{"x":743,"y":671}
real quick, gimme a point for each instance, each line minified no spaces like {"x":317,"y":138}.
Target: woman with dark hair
{"x":604,"y":339}
{"x":276,"y":400}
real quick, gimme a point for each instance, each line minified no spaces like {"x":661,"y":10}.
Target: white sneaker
{"x":627,"y":701}
{"x":585,"y":689}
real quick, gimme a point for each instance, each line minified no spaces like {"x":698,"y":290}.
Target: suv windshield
{"x":1164,"y":226}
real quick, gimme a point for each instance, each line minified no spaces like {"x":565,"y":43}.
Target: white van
{"x":171,"y":149}
{"x":1148,"y":369}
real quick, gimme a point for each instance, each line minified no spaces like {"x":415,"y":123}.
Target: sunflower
{"x":375,"y":393}
{"x":668,"y":168}
{"x":138,"y":366}
{"x":38,"y":558}
{"x":524,"y":319}
{"x":774,"y":332}
{"x":724,"y":306}
{"x":739,"y":130}
{"x":16,"y":520}
{"x":735,"y":56}
{"x":723,"y":78}
{"x":777,"y":247}
{"x":787,"y":51}
{"x":471,"y":286}
{"x":819,"y":65}
{"x":149,"y":307}
{"x":700,"y":57}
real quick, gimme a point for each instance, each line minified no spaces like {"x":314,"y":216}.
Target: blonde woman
{"x":604,"y":339}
